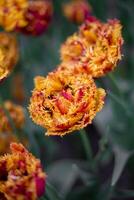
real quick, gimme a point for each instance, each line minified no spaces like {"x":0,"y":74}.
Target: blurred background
{"x":112,"y":133}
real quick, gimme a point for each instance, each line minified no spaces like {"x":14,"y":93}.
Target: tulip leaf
{"x":121,"y":158}
{"x":123,"y":194}
{"x":51,"y":193}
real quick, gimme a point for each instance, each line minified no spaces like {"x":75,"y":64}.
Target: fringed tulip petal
{"x":63,"y":104}
{"x":9,"y":54}
{"x":21,"y":175}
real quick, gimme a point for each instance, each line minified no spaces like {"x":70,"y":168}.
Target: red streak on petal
{"x":67,"y":95}
{"x":83,"y":107}
{"x":63,"y":127}
{"x":80,"y":94}
{"x":62,"y":108}
{"x":40,"y":186}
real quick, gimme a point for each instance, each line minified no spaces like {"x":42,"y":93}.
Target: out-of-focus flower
{"x":38,"y":17}
{"x":6,"y":138}
{"x":12,"y":14}
{"x":17,"y":88}
{"x":77,"y":10}
{"x":5,"y":141}
{"x":96,"y":48}
{"x":21,"y":175}
{"x":63,"y":104}
{"x":3,"y":71}
{"x":16,"y":113}
{"x":9,"y":54}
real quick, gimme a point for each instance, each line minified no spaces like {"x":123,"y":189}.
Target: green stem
{"x":119,"y":193}
{"x":43,"y":198}
{"x":121,"y":103}
{"x":110,"y":193}
{"x":115,"y":85}
{"x":86,"y":144}
{"x":118,"y":97}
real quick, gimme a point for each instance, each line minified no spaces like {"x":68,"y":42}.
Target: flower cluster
{"x":21,"y":175}
{"x":9,"y":54}
{"x":94,"y":50}
{"x":77,"y":10}
{"x":63,"y":104}
{"x":29,"y":17}
{"x":16,"y":113}
{"x":68,"y":98}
